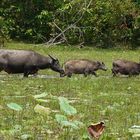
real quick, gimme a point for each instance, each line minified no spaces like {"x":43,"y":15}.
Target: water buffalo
{"x":83,"y":66}
{"x":125,"y":67}
{"x":27,"y":62}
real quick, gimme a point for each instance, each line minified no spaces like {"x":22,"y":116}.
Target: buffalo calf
{"x":83,"y":66}
{"x":125,"y":67}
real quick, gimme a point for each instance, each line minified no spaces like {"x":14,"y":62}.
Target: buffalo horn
{"x":52,"y":57}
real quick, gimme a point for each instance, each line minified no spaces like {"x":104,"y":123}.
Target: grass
{"x":115,"y":100}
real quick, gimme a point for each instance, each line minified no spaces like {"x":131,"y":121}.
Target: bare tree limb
{"x":52,"y":40}
{"x":61,"y":31}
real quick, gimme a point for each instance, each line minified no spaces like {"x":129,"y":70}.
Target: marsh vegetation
{"x":31,"y":108}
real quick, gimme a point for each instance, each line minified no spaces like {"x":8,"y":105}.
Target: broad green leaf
{"x":66,"y":107}
{"x":42,"y":110}
{"x":60,"y":118}
{"x":78,"y":123}
{"x":69,"y":124}
{"x":14,"y":106}
{"x":40,"y":95}
{"x":42,"y":100}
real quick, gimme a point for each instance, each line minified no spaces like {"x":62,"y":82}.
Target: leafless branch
{"x":52,"y":41}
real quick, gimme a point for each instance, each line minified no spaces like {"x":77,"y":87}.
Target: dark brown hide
{"x":83,"y":66}
{"x":27,"y":62}
{"x":125,"y":67}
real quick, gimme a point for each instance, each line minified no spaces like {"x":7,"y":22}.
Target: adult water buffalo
{"x":125,"y":67}
{"x":83,"y":66}
{"x":27,"y":62}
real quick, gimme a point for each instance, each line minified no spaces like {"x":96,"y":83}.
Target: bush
{"x":103,"y":23}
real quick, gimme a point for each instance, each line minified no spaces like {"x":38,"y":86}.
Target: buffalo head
{"x":101,"y":66}
{"x":55,"y":65}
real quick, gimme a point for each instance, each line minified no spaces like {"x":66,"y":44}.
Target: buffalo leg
{"x":63,"y":75}
{"x":34,"y":72}
{"x":26,"y":73}
{"x":1,"y":69}
{"x":114,"y":72}
{"x":133,"y":73}
{"x":30,"y":70}
{"x":3,"y":64}
{"x":86,"y":72}
{"x":94,"y":73}
{"x":69,"y":74}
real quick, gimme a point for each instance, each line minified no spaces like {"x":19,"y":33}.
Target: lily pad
{"x":62,"y":120}
{"x":44,"y":94}
{"x":66,"y":107}
{"x":42,"y":110}
{"x":14,"y":106}
{"x":42,"y":100}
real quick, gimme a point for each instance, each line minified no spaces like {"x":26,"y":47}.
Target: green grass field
{"x":114,"y":100}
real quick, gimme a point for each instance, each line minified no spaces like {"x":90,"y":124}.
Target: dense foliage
{"x":103,"y":23}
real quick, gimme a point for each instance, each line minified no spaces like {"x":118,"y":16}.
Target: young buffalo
{"x":125,"y":67}
{"x":83,"y":66}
